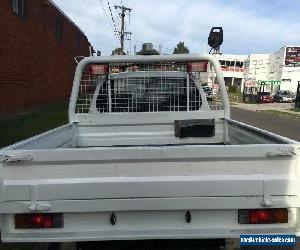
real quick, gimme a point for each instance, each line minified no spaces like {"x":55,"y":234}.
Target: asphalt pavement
{"x":284,"y":126}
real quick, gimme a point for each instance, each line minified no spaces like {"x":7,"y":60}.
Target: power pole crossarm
{"x":123,"y":7}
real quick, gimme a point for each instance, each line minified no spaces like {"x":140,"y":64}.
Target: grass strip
{"x":33,"y":122}
{"x":282,"y":114}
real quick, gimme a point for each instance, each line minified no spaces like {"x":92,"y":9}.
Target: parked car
{"x":284,"y":96}
{"x":264,"y":97}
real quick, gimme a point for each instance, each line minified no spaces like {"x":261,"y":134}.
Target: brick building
{"x":38,"y":43}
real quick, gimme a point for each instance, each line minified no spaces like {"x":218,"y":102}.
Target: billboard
{"x":292,"y":57}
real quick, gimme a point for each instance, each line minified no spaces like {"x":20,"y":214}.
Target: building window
{"x":58,"y":28}
{"x":19,"y":7}
{"x":239,"y":64}
{"x":77,"y":41}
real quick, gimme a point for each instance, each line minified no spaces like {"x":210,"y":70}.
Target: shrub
{"x":232,"y":89}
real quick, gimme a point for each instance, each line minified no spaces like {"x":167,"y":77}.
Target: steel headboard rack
{"x":135,"y":81}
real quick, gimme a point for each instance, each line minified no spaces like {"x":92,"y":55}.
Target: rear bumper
{"x":139,"y":235}
{"x":139,"y":219}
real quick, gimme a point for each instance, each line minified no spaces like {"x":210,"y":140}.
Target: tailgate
{"x":163,"y":192}
{"x":149,"y":172}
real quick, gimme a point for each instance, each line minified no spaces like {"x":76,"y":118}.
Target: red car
{"x":264,"y":97}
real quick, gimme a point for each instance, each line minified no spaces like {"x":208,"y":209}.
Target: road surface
{"x":288,"y":127}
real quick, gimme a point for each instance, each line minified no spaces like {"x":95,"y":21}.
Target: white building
{"x":285,"y":67}
{"x":278,"y":70}
{"x":232,"y":68}
{"x":267,"y":72}
{"x":257,"y":67}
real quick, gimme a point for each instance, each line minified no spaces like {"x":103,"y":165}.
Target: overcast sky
{"x":256,"y":26}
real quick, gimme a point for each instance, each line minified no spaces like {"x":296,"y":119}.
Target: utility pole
{"x":123,"y":33}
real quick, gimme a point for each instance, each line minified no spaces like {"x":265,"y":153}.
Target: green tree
{"x":118,"y":51}
{"x":181,"y":49}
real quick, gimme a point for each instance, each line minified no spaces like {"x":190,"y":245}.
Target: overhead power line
{"x":109,"y":21}
{"x":112,"y":17}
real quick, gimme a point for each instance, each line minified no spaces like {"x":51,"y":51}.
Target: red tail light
{"x":197,"y":66}
{"x":36,"y":221}
{"x":263,"y":216}
{"x":97,"y":69}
